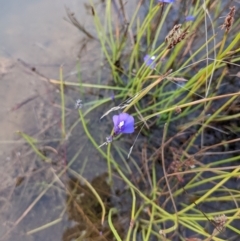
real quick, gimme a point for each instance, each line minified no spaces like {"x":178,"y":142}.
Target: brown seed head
{"x":176,"y":35}
{"x":220,"y":221}
{"x":228,"y":22}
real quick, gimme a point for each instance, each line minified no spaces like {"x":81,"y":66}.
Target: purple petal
{"x":129,"y":120}
{"x":126,"y":127}
{"x":166,"y":1}
{"x":123,"y":117}
{"x":149,"y":61}
{"x":189,"y":18}
{"x":129,"y":128}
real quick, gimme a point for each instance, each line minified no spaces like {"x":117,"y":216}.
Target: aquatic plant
{"x":185,"y":155}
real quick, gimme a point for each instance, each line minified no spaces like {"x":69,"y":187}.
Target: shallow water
{"x":34,"y":203}
{"x":36,"y":38}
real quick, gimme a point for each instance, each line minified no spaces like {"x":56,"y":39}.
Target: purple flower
{"x":166,"y":1}
{"x":112,"y":97}
{"x":109,"y":139}
{"x":189,"y":18}
{"x":149,"y":61}
{"x":123,"y":123}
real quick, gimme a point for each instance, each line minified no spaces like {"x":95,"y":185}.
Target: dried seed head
{"x":220,"y":222}
{"x":176,"y":35}
{"x":178,"y":110}
{"x":162,"y":232}
{"x":173,"y":32}
{"x":132,"y":223}
{"x":190,"y":164}
{"x":228,"y":22}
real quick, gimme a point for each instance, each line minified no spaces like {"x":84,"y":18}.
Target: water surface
{"x":36,"y":38}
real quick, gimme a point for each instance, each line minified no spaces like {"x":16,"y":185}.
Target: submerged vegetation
{"x":168,"y":125}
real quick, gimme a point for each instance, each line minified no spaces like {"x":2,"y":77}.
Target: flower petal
{"x":149,"y":61}
{"x":123,"y":117}
{"x":115,"y":119}
{"x":189,"y":18}
{"x":166,"y":1}
{"x":129,"y":120}
{"x":128,"y":129}
{"x":129,"y":125}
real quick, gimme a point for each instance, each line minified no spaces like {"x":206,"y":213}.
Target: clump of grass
{"x":185,"y":97}
{"x":203,"y":65}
